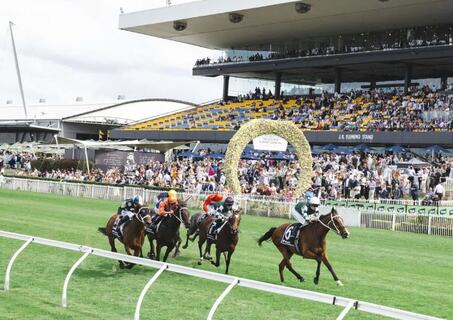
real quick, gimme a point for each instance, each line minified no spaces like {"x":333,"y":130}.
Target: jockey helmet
{"x":314,"y":202}
{"x":217,"y":197}
{"x":137,"y":200}
{"x":229,"y":202}
{"x":172,"y":198}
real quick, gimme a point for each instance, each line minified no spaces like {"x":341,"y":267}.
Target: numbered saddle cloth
{"x":291,"y":236}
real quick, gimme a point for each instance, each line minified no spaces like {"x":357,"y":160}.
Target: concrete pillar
{"x":372,"y":84}
{"x":278,"y":85}
{"x":407,"y":78}
{"x":443,"y":82}
{"x":338,"y":80}
{"x":226,"y":85}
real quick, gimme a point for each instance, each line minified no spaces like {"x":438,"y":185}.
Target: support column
{"x":226,"y":85}
{"x":337,"y":80}
{"x":372,"y":84}
{"x":443,"y":82}
{"x":278,"y":85}
{"x":407,"y":78}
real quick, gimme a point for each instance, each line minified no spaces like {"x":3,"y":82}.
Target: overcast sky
{"x":74,"y":48}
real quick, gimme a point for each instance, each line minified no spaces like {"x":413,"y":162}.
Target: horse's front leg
{"x":227,"y":260}
{"x":151,"y":253}
{"x":167,"y":252}
{"x":129,"y":252}
{"x":207,"y":251}
{"x":326,"y":262}
{"x":217,"y":258}
{"x":178,"y":243}
{"x":318,"y":270}
{"x":158,"y":247}
{"x":187,"y":240}
{"x":200,"y":249}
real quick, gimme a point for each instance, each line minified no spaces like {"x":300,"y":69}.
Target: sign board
{"x":124,"y":160}
{"x":270,"y":142}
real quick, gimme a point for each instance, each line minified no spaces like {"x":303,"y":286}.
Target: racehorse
{"x":226,"y":240}
{"x":133,"y":234}
{"x":195,"y":221}
{"x":167,"y":234}
{"x":312,"y":243}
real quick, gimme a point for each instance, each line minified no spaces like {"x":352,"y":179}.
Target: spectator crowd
{"x":354,"y":176}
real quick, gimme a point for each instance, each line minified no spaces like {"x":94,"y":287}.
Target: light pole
{"x":18,"y":70}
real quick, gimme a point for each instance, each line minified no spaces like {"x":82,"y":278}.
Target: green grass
{"x":403,"y":270}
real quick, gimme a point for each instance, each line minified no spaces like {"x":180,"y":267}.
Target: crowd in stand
{"x":355,"y":176}
{"x":332,"y":50}
{"x":376,"y":110}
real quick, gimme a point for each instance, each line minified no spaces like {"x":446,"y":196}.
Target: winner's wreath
{"x":258,"y":127}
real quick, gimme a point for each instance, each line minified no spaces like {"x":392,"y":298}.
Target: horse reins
{"x":332,"y":220}
{"x":139,"y":217}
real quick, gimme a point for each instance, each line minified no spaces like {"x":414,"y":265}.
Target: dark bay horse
{"x":133,"y":234}
{"x":168,"y":232}
{"x":226,"y":242}
{"x":312,"y":244}
{"x":195,"y":221}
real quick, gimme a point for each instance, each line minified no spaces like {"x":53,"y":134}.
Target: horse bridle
{"x":179,"y":212}
{"x":332,"y":220}
{"x":139,"y":217}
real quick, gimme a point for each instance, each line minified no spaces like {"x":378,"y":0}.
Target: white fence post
{"x":64,"y":300}
{"x":221,"y":297}
{"x":145,"y":290}
{"x":430,"y":220}
{"x":346,"y":310}
{"x":11,"y":262}
{"x":393,"y":222}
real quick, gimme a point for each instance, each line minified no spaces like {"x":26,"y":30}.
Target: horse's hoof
{"x":199,"y":263}
{"x":316,"y":281}
{"x":122,"y":265}
{"x":184,"y":247}
{"x":339,"y":283}
{"x":301,"y":279}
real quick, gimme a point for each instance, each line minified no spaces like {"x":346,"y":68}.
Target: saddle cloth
{"x":117,"y":229}
{"x":291,"y":236}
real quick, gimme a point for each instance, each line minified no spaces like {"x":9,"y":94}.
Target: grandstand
{"x":306,"y":42}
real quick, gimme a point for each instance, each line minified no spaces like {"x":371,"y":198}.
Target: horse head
{"x":234,"y":221}
{"x":144,"y":216}
{"x":183,"y":212}
{"x":335,"y":222}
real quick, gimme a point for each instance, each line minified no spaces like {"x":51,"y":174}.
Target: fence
{"x":395,"y":216}
{"x":347,"y":303}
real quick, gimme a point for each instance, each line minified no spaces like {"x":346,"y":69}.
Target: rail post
{"x":393,"y":221}
{"x":221,"y":297}
{"x":430,"y":221}
{"x":346,"y":310}
{"x":64,"y":297}
{"x":145,"y":290}
{"x":11,"y":262}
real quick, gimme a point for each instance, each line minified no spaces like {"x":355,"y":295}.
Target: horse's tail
{"x":266,"y":236}
{"x":103,"y":230}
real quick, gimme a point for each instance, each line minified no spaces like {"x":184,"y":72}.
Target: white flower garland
{"x":258,"y":127}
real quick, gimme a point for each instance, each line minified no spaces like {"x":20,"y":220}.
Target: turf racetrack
{"x":402,"y":270}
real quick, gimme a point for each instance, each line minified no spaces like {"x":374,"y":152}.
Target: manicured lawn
{"x":403,"y":270}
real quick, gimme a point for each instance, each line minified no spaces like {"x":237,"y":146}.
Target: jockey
{"x":128,"y":208}
{"x":212,"y":203}
{"x":222,"y":212}
{"x":304,"y":212}
{"x":160,"y":198}
{"x":166,"y":207}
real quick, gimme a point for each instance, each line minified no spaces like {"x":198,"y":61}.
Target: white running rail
{"x":232,"y":281}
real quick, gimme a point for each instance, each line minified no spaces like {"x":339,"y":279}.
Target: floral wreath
{"x":258,"y":127}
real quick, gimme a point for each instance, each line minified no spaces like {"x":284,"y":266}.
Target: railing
{"x":391,"y":216}
{"x":347,"y":303}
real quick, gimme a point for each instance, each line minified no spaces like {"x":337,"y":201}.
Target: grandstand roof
{"x":265,"y":21}
{"x":131,"y":111}
{"x":46,"y":112}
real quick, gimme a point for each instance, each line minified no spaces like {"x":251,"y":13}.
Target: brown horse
{"x":133,"y":234}
{"x":312,"y":244}
{"x":226,"y":241}
{"x":195,"y":222}
{"x":168,"y":232}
